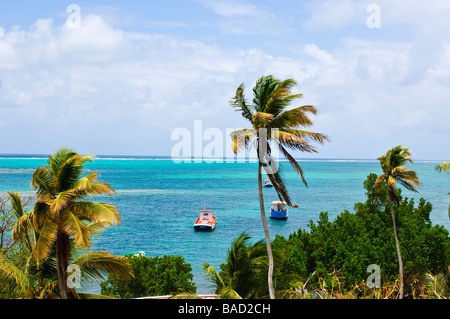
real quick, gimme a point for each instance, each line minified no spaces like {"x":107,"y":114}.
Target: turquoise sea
{"x":159,"y":201}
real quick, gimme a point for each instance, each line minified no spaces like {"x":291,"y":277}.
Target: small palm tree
{"x":240,"y":276}
{"x":61,"y":215}
{"x":444,"y":167}
{"x":395,"y":171}
{"x":273,"y":125}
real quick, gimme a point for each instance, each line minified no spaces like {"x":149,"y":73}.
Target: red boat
{"x":206,"y":221}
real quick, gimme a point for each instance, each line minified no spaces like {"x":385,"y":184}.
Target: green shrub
{"x":153,"y":276}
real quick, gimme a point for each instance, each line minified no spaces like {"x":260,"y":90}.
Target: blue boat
{"x":279,"y":210}
{"x":267,"y":183}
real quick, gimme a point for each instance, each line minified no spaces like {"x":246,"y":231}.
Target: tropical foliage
{"x":443,"y":167}
{"x":153,"y":276}
{"x":243,"y":275}
{"x":272,"y":125}
{"x":337,"y":253}
{"x":61,"y":222}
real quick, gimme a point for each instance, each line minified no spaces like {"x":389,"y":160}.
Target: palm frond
{"x":23,"y":225}
{"x":443,"y":167}
{"x":12,"y":272}
{"x":294,"y":163}
{"x":261,"y":119}
{"x":40,"y":213}
{"x":49,"y":291}
{"x":264,"y":88}
{"x":97,"y":212}
{"x":43,"y":182}
{"x":240,"y":103}
{"x":295,"y":142}
{"x":295,"y":117}
{"x":84,"y":295}
{"x":47,"y":236}
{"x":97,"y":265}
{"x":213,"y":275}
{"x":437,"y":284}
{"x":408,"y":184}
{"x":73,"y":226}
{"x":70,"y":170}
{"x":16,"y":204}
{"x":55,"y":160}
{"x":61,"y":201}
{"x":307,"y":135}
{"x":391,"y":181}
{"x":228,"y":293}
{"x":84,"y":188}
{"x":281,"y":97}
{"x":237,"y":253}
{"x":277,"y":183}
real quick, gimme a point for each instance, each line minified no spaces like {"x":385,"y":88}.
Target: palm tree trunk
{"x":266,"y":233}
{"x":62,"y":259}
{"x":397,"y":245}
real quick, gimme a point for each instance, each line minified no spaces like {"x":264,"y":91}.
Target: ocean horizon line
{"x":192,"y":158}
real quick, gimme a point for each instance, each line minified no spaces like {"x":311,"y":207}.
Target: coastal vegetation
{"x":272,"y":125}
{"x":153,"y":276}
{"x":331,"y":259}
{"x":341,"y":250}
{"x":57,"y":231}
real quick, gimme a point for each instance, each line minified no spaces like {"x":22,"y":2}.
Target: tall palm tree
{"x":395,"y":171}
{"x":33,"y":281}
{"x":444,"y":167}
{"x":272,"y":126}
{"x":62,"y":215}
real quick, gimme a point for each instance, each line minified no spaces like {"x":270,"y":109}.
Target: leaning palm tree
{"x":444,"y":167}
{"x":62,"y":215}
{"x":41,"y":281}
{"x":395,"y":171}
{"x":273,"y":126}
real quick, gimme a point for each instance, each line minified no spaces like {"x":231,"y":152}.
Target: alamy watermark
{"x":74,"y":19}
{"x":74,"y":276}
{"x":374,"y":19}
{"x":374,"y":279}
{"x":215,"y":145}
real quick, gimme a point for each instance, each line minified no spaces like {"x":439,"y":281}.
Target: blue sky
{"x":135,"y":71}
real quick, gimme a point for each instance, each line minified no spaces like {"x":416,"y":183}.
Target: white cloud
{"x":135,"y":86}
{"x":102,"y":89}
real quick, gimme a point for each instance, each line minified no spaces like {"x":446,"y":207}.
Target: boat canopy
{"x":206,"y":214}
{"x":278,"y":206}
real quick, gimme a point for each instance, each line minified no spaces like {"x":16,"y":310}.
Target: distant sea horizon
{"x":168,"y":157}
{"x":159,"y":200}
